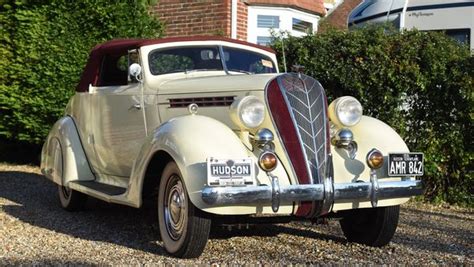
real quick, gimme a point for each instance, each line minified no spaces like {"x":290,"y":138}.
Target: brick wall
{"x":338,"y":17}
{"x":242,"y":15}
{"x":313,"y":6}
{"x":193,"y":18}
{"x":213,"y":17}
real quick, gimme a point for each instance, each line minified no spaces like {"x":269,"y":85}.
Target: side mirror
{"x":91,"y":89}
{"x":135,"y":70}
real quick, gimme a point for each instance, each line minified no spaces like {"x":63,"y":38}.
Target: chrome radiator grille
{"x":307,"y":105}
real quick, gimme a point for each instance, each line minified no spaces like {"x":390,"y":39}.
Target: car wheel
{"x":373,"y":227}
{"x":71,"y":200}
{"x":184,"y":229}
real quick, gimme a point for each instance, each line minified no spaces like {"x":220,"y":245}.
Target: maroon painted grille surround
{"x":287,"y":131}
{"x":298,"y":106}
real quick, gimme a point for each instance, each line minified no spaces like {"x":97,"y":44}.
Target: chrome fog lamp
{"x":344,"y":138}
{"x":247,"y":112}
{"x":263,"y":137}
{"x":375,"y":159}
{"x":345,"y":111}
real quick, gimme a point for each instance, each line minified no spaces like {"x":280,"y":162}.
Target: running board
{"x":105,"y":192}
{"x":107,"y":189}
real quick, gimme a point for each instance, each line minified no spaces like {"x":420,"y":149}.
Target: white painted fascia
{"x":286,"y":15}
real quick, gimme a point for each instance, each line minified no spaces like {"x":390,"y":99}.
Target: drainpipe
{"x":402,"y":15}
{"x":233,"y":18}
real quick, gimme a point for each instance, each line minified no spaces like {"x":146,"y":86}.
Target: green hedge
{"x":44,"y":45}
{"x":419,"y":83}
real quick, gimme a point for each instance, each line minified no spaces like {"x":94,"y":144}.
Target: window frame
{"x":217,"y":47}
{"x":221,"y":54}
{"x":277,"y":26}
{"x":309,"y":30}
{"x":285,"y":14}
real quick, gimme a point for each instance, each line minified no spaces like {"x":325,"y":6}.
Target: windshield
{"x":185,"y":59}
{"x":208,"y":58}
{"x":248,"y":62}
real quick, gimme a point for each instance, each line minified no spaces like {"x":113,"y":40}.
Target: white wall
{"x":286,"y":16}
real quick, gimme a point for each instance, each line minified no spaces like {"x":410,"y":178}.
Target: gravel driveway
{"x":35,"y":230}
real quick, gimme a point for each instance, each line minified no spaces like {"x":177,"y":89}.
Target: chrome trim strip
{"x":219,"y":196}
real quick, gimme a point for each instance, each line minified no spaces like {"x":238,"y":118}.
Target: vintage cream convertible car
{"x":209,"y":130}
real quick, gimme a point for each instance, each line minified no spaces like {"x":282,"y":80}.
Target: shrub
{"x":44,"y":47}
{"x":420,"y":83}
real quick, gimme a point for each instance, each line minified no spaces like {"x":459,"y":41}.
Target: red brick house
{"x":249,"y":20}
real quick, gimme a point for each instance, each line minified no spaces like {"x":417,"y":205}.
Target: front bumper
{"x":276,"y":195}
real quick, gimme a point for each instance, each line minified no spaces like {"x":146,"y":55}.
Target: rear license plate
{"x":405,"y":164}
{"x":230,"y":172}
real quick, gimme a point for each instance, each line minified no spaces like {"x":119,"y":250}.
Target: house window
{"x":462,"y":36}
{"x":264,"y":21}
{"x":264,"y":40}
{"x":302,"y":26}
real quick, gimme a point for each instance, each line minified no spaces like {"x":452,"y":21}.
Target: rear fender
{"x":62,"y":156}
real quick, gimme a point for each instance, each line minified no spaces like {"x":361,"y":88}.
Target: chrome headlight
{"x":247,"y":112}
{"x":345,"y":111}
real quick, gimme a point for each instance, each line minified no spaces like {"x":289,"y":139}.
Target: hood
{"x":221,"y":83}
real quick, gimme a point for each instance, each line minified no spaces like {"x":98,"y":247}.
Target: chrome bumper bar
{"x":275,"y":194}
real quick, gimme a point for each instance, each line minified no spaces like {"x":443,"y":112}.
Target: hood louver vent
{"x":218,"y":101}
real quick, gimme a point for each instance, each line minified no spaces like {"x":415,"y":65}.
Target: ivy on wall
{"x":420,"y":83}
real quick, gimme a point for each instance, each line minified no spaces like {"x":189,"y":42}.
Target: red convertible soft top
{"x":90,"y":75}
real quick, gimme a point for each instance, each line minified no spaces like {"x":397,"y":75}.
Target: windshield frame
{"x":220,"y":49}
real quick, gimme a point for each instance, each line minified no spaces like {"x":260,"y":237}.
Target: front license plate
{"x":405,"y":164}
{"x":230,"y":172}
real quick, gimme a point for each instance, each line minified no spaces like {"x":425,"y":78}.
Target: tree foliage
{"x":44,"y":45}
{"x":420,"y":83}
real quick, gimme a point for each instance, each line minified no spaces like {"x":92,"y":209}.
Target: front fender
{"x":190,"y":140}
{"x":368,"y":133}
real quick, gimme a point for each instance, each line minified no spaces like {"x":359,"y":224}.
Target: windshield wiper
{"x":196,"y":70}
{"x":242,"y":71}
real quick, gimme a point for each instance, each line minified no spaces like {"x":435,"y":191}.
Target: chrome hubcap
{"x":175,"y":208}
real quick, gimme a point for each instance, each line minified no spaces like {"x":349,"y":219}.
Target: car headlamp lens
{"x":250,"y":112}
{"x":347,"y":109}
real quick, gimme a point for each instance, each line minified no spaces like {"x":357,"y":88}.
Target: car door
{"x":117,"y":126}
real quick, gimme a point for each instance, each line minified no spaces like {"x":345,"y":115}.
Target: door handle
{"x":136,"y":106}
